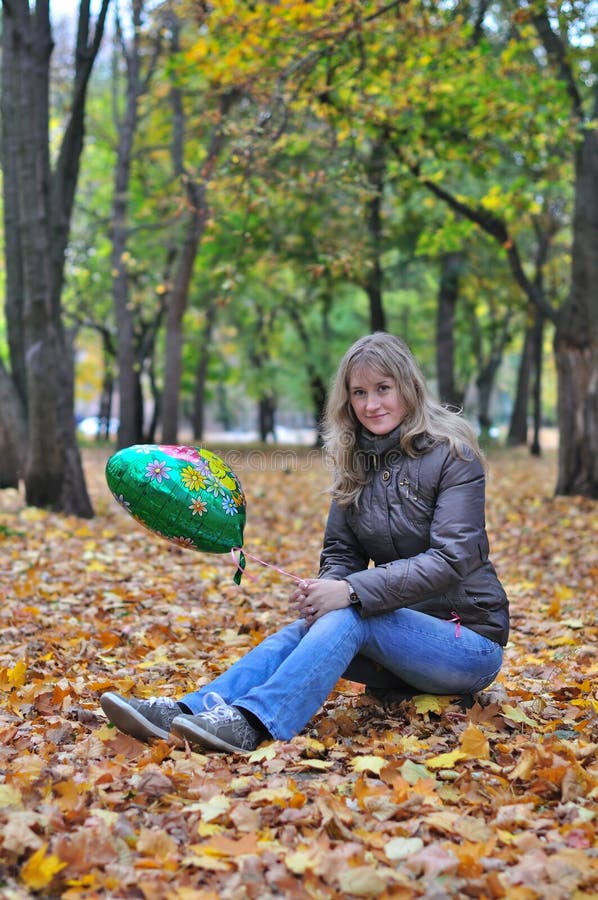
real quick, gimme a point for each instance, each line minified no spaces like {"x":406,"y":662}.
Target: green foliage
{"x":287,"y":249}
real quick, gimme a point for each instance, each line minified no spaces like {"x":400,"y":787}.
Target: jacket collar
{"x":373,"y":447}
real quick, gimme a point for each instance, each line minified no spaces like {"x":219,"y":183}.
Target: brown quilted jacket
{"x":421,"y":523}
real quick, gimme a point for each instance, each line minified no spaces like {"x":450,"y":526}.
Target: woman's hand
{"x":315,"y":597}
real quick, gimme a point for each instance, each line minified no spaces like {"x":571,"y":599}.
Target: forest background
{"x":203,"y":205}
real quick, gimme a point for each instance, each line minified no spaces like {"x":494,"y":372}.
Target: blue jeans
{"x":286,"y":679}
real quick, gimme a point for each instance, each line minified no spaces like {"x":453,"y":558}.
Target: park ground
{"x":419,"y":799}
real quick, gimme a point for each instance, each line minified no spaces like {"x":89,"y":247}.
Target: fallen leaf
{"x":516,"y":714}
{"x":474,"y":743}
{"x":40,"y":869}
{"x":364,"y":881}
{"x":373,"y":764}
{"x":445,"y":760}
{"x":401,"y":847}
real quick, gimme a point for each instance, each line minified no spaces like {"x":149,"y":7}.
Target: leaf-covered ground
{"x":418,"y":800}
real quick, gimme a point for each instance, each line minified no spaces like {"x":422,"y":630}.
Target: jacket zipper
{"x":415,"y":494}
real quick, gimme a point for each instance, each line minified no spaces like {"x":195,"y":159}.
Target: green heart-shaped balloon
{"x":187,"y":495}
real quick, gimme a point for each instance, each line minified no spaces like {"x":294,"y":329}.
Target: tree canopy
{"x":263,"y":182}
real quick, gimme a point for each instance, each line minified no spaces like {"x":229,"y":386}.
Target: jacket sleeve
{"x":342,"y":553}
{"x":457,"y":540}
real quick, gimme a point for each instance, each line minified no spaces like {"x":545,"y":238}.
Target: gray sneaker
{"x":142,"y":719}
{"x":223,"y":728}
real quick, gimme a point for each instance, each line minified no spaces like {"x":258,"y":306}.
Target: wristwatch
{"x":353,"y":598}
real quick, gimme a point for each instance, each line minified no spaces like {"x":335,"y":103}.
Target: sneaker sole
{"x":194,"y":734}
{"x":128,"y":720}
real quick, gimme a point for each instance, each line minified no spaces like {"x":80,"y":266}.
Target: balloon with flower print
{"x":185,"y":494}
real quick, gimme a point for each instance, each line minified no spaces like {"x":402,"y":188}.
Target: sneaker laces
{"x":160,"y":701}
{"x":212,"y":700}
{"x":221,"y":713}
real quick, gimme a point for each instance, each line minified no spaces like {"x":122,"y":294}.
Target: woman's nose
{"x":372,"y":401}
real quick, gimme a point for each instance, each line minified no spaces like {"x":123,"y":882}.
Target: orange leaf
{"x":474,"y":743}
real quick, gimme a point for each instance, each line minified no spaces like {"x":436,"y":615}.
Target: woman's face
{"x":376,"y":401}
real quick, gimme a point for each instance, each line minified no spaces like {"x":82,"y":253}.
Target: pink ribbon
{"x":456,"y":618}
{"x":237,"y":562}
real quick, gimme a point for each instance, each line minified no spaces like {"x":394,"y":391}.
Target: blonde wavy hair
{"x":425,"y":418}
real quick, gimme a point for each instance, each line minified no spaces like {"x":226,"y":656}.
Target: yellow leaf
{"x":445,"y":760}
{"x":314,"y":746}
{"x":17,"y":674}
{"x":10,"y":796}
{"x":105,"y":732}
{"x":85,"y":881}
{"x":39,"y":870}
{"x":402,"y":847}
{"x":299,"y":861}
{"x":159,"y":657}
{"x":206,"y":862}
{"x":208,"y":829}
{"x":427,"y":703}
{"x":515,"y":714}
{"x":278,"y":796}
{"x":413,"y":772}
{"x":214,"y":807}
{"x":364,"y":881}
{"x":263,"y":753}
{"x":368,"y":764}
{"x":589,"y":703}
{"x":410,"y":744}
{"x":14,"y":677}
{"x":525,"y":766}
{"x":316,"y":763}
{"x":474,"y":743}
{"x":563,"y":592}
{"x":561,"y":641}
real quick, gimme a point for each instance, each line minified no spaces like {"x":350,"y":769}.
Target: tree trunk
{"x":13,"y":391}
{"x":130,"y":430}
{"x":12,"y":141}
{"x":225,"y":417}
{"x":157,"y":398}
{"x":43,"y":467}
{"x":373,"y":284}
{"x":317,"y":385}
{"x":266,"y":416}
{"x":39,"y":227}
{"x":201,"y":371}
{"x":485,"y":384}
{"x":198,"y":213}
{"x":537,"y":366}
{"x":13,"y":432}
{"x":107,"y":393}
{"x":448,"y":294}
{"x":517,"y":435}
{"x":576,"y":338}
{"x":174,"y":317}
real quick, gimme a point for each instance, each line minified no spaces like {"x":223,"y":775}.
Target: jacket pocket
{"x":418,"y":505}
{"x":469,"y":606}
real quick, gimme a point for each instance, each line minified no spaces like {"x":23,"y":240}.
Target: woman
{"x":430,"y":616}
